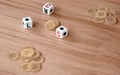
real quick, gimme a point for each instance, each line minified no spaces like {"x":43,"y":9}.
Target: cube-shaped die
{"x":48,"y":8}
{"x":27,"y":22}
{"x":61,"y":32}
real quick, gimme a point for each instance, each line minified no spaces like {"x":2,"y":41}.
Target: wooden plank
{"x":90,"y":48}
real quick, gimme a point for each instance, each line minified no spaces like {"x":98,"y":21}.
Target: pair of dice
{"x":61,"y":31}
{"x":48,"y":9}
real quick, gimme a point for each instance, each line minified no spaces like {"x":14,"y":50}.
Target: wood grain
{"x":90,"y":48}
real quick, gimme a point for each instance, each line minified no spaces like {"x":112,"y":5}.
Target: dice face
{"x":48,"y":8}
{"x":27,"y":22}
{"x":61,"y":32}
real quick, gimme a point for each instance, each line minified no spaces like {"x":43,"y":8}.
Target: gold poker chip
{"x":92,"y":11}
{"x":27,"y":52}
{"x":36,"y":55}
{"x":34,"y":66}
{"x":104,"y":8}
{"x":25,"y":59}
{"x":31,"y":59}
{"x":101,"y":14}
{"x":115,"y":11}
{"x":110,"y":20}
{"x":98,"y":20}
{"x":51,"y":24}
{"x":40,"y":59}
{"x":13,"y":56}
{"x":25,"y":67}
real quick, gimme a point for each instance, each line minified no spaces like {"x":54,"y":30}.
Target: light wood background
{"x":90,"y":48}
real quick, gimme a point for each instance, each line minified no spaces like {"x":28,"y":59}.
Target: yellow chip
{"x":51,"y":24}
{"x":99,"y":20}
{"x":101,"y":14}
{"x":25,"y":67}
{"x":40,"y":59}
{"x":27,"y":52}
{"x":92,"y":11}
{"x":34,"y":66}
{"x":25,"y":59}
{"x":104,"y":8}
{"x":115,"y":11}
{"x":13,"y":56}
{"x":110,"y":20}
{"x":36,"y":55}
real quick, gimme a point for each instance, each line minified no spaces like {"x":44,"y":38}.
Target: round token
{"x":115,"y":11}
{"x":25,"y":59}
{"x":56,"y":21}
{"x":110,"y":20}
{"x":104,"y":8}
{"x":34,"y":66}
{"x":101,"y":14}
{"x":27,"y":52}
{"x":40,"y":59}
{"x":98,"y":20}
{"x":51,"y":24}
{"x":13,"y":56}
{"x":25,"y":67}
{"x":92,"y":11}
{"x":36,"y":55}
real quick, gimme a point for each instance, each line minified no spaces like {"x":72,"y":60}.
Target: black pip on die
{"x":27,"y":22}
{"x":61,"y":32}
{"x":48,"y":8}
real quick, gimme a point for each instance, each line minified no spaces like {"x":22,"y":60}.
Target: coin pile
{"x":104,"y":14}
{"x":31,"y":59}
{"x":52,"y":24}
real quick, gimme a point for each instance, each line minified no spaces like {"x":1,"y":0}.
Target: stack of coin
{"x":52,"y":24}
{"x":104,"y":14}
{"x":31,"y":59}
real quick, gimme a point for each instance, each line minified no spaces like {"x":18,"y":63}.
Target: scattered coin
{"x":101,"y":14}
{"x":27,"y":52}
{"x":115,"y":11}
{"x":40,"y":59}
{"x":111,"y":20}
{"x":98,"y":20}
{"x":34,"y":66}
{"x":13,"y":56}
{"x":104,"y":8}
{"x":51,"y":24}
{"x":25,"y":59}
{"x":92,"y":11}
{"x":31,"y":59}
{"x":36,"y":55}
{"x":107,"y":15}
{"x":25,"y":67}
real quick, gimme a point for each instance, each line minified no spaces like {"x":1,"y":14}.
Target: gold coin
{"x":110,"y":20}
{"x":25,"y":59}
{"x":115,"y":11}
{"x":40,"y":59}
{"x":51,"y":24}
{"x":104,"y":8}
{"x":34,"y":66}
{"x":27,"y":52}
{"x":56,"y":21}
{"x":92,"y":11}
{"x":36,"y":55}
{"x":13,"y":56}
{"x":25,"y":67}
{"x":101,"y":14}
{"x":99,"y":20}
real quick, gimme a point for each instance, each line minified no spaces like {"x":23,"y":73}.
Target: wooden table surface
{"x":90,"y":48}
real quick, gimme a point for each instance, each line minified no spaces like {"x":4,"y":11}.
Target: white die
{"x":48,"y":8}
{"x":27,"y":22}
{"x":61,"y":32}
